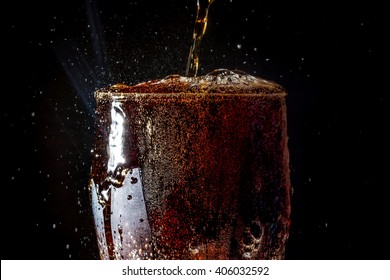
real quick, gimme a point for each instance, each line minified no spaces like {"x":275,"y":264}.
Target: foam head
{"x":217,"y":81}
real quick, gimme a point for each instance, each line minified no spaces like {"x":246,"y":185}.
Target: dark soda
{"x":192,"y":168}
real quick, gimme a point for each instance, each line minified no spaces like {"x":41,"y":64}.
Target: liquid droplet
{"x":134,"y":180}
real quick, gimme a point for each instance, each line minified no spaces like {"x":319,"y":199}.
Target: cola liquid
{"x":191,"y":168}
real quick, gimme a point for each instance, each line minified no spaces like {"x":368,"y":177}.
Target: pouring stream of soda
{"x":199,"y":30}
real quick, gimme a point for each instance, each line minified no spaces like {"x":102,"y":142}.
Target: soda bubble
{"x":256,"y":230}
{"x":247,"y":239}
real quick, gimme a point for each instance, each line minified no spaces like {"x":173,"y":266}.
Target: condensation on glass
{"x":191,"y":168}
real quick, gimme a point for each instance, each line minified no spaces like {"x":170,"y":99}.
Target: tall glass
{"x":191,"y":175}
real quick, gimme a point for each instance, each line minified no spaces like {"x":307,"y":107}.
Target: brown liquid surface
{"x":218,"y":81}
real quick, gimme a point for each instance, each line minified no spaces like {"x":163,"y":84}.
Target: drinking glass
{"x":191,"y":175}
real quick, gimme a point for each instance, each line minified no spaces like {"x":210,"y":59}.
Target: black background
{"x":331,"y":56}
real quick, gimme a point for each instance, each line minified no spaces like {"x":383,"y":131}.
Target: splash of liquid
{"x":199,"y":31}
